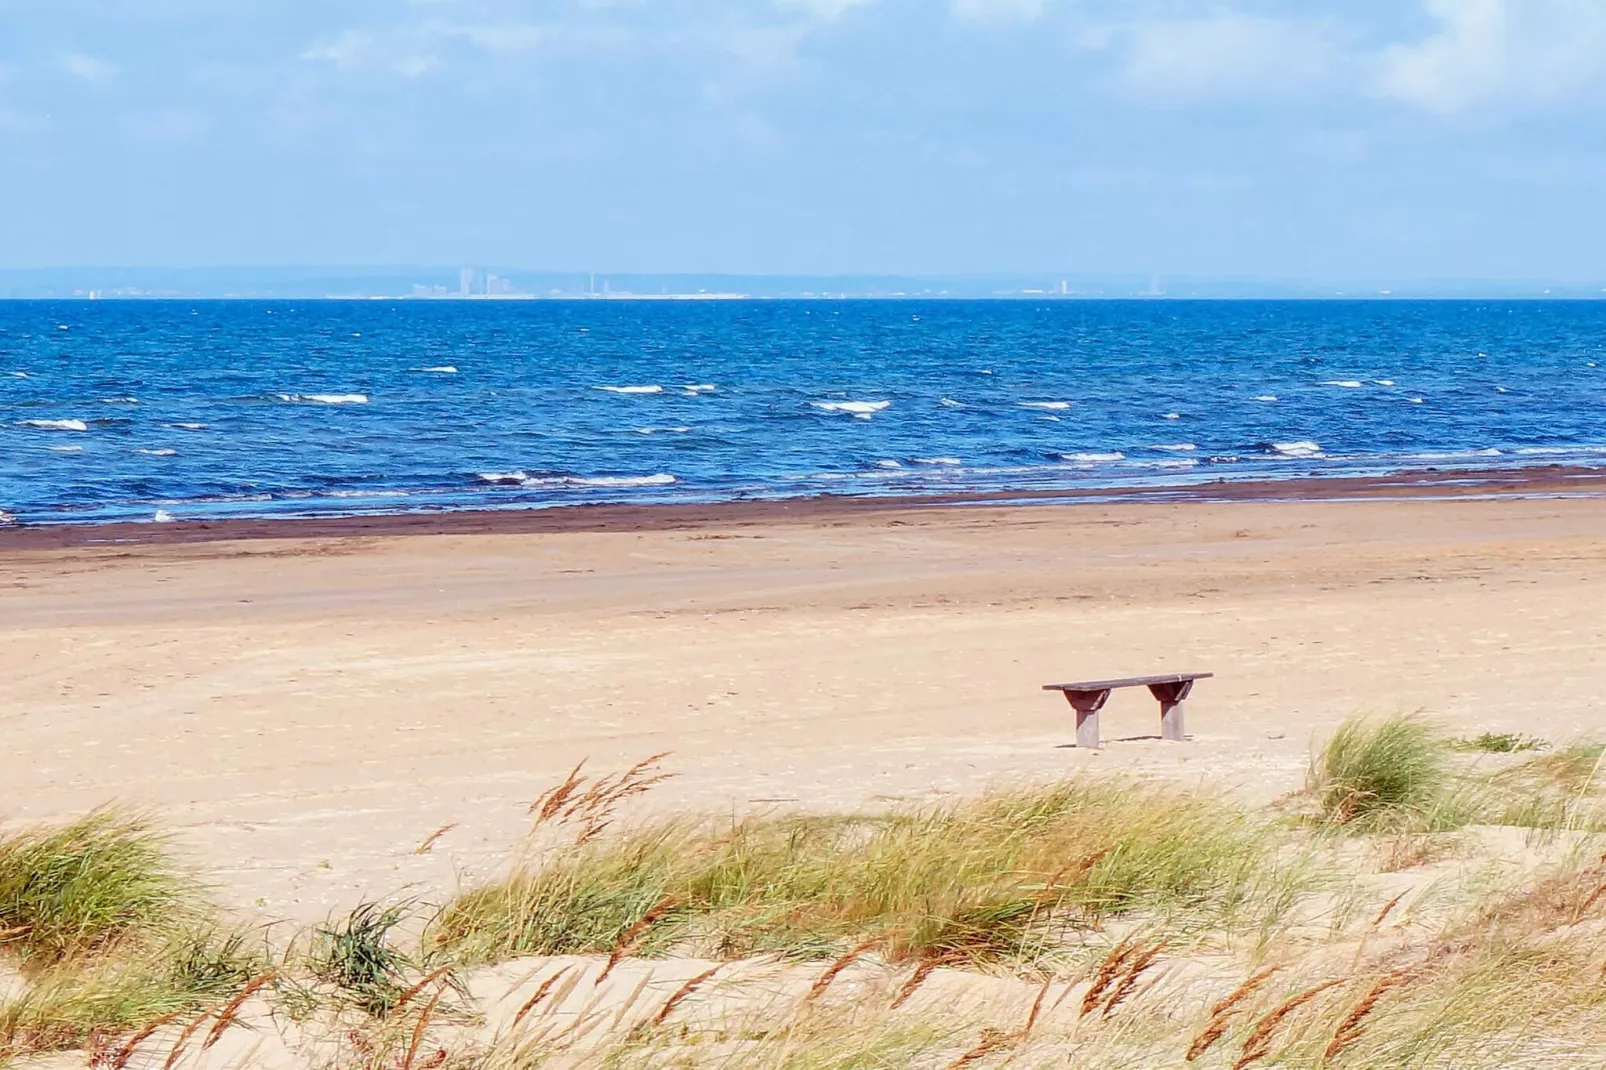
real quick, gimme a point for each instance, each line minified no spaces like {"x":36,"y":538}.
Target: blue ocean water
{"x":114,"y":410}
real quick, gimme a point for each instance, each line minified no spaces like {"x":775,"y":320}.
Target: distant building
{"x":465,"y":282}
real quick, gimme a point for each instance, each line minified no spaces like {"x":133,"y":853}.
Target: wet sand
{"x":307,"y":702}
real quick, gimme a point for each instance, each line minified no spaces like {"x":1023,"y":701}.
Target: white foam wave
{"x":66,"y":449}
{"x":1267,"y":397}
{"x":888,"y":464}
{"x":56,"y":425}
{"x":651,"y":389}
{"x":862,"y":410}
{"x":1050,"y":419}
{"x":951,"y":403}
{"x":1455,"y":455}
{"x":1170,"y":416}
{"x":158,"y":453}
{"x":325,"y":399}
{"x":699,"y":388}
{"x":1303,"y":448}
{"x":663,"y":430}
{"x":1383,"y":382}
{"x":1055,"y":405}
{"x":1162,"y":464}
{"x":1416,"y":401}
{"x":18,"y":375}
{"x":443,"y":369}
{"x":119,"y":401}
{"x":1176,"y":447}
{"x":188,"y":427}
{"x":944,"y":462}
{"x":162,"y":517}
{"x":1347,"y":384}
{"x":662,"y":479}
{"x":1092,"y":458}
{"x":503,"y":477}
{"x":1559,"y":451}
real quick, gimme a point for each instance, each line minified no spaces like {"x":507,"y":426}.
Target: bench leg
{"x":1172,"y":698}
{"x":1171,"y":723}
{"x":1087,"y":705}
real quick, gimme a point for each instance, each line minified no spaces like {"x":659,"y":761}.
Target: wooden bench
{"x":1088,"y":698}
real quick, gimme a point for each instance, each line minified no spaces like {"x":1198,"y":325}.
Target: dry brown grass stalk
{"x":1258,"y":1044}
{"x":119,"y":1058}
{"x":1350,"y":1029}
{"x":1388,"y":908}
{"x":633,"y":937}
{"x":231,"y":1009}
{"x":991,"y":1040}
{"x":429,"y":979}
{"x":822,"y":982}
{"x":420,"y":1028}
{"x":429,"y":841}
{"x":916,"y":979}
{"x":1108,"y":971}
{"x":681,"y":993}
{"x":1223,"y":1011}
{"x":177,"y":1051}
{"x":1135,"y":969}
{"x":540,"y":994}
{"x":591,"y":806}
{"x":1037,"y":1008}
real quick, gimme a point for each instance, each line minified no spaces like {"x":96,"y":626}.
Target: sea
{"x":174,"y":410}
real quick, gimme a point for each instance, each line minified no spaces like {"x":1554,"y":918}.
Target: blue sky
{"x":1393,"y":139}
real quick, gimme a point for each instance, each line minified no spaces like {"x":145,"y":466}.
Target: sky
{"x":1308,"y":139}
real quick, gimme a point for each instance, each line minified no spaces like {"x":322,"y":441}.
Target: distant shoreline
{"x":1545,"y":481}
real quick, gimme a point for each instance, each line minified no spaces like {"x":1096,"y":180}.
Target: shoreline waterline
{"x":1536,"y":482}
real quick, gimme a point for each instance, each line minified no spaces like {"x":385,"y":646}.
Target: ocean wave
{"x":65,"y":449}
{"x":950,"y":403}
{"x":650,"y":389}
{"x":325,"y":399}
{"x":1161,"y":464}
{"x":1454,"y":455}
{"x":889,"y":464}
{"x":861,"y":410}
{"x":941,"y":462}
{"x":1560,"y":451}
{"x":1170,"y":416}
{"x":187,"y":427}
{"x":699,"y":388}
{"x":1176,"y":447}
{"x":663,"y":430}
{"x":1092,"y":458}
{"x":443,"y":369}
{"x":662,"y":479}
{"x":1347,"y":384}
{"x":1267,"y":397}
{"x":1303,"y":448}
{"x":18,"y":375}
{"x":1054,"y":405}
{"x":118,"y":401}
{"x":1382,"y":382}
{"x":158,"y":453}
{"x":55,"y":425}
{"x":503,"y":477}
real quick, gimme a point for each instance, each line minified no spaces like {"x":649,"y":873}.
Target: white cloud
{"x":1495,"y":52}
{"x":1464,"y":60}
{"x":87,"y":67}
{"x":997,"y":10}
{"x":414,"y":51}
{"x":824,"y":9}
{"x":1221,"y":56}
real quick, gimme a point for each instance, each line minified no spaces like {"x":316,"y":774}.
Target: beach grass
{"x":1000,"y":878}
{"x":1389,"y":773}
{"x":68,"y":890}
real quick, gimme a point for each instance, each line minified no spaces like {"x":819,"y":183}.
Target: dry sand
{"x":306,"y":711}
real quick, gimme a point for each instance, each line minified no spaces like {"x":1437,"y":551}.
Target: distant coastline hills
{"x":503,"y":283}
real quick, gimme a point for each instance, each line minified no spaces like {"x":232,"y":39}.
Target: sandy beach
{"x":305,"y":705}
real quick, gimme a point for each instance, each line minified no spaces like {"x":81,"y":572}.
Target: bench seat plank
{"x":1133,"y":681}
